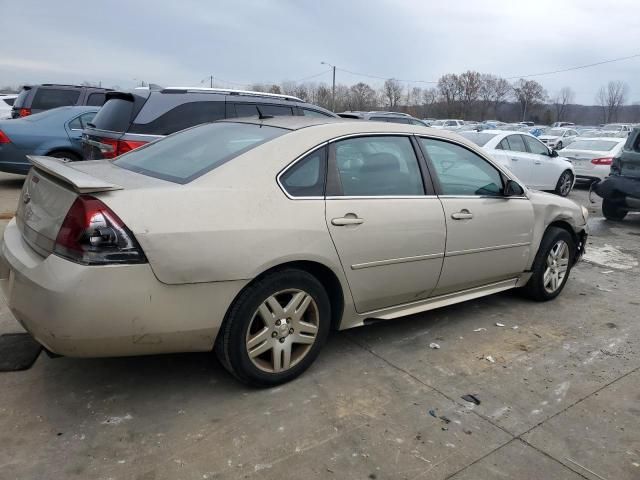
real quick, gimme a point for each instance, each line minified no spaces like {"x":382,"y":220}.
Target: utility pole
{"x":524,"y":113}
{"x":333,"y":88}
{"x":211,"y":81}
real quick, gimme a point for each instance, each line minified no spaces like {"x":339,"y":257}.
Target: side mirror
{"x":513,"y":189}
{"x":554,"y":153}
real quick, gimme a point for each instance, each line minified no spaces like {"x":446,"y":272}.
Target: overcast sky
{"x":120,"y":42}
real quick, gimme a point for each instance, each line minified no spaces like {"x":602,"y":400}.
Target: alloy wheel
{"x":566,"y":182}
{"x":282,"y":331}
{"x":557,"y":266}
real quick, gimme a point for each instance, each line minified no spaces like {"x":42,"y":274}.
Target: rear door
{"x":518,"y":159}
{"x":387,"y":226}
{"x":488,"y":235}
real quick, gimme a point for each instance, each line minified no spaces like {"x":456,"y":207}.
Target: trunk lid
{"x":52,"y":186}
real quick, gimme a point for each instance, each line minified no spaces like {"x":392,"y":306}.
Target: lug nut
{"x":291,"y":330}
{"x":274,"y":334}
{"x":282,"y":340}
{"x":288,"y":320}
{"x":278,"y":322}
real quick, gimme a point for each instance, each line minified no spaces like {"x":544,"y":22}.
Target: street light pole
{"x":333,"y":88}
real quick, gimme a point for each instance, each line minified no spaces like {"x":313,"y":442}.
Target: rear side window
{"x":181,"y":117}
{"x":46,"y":98}
{"x":314,"y":113}
{"x":250,"y":110}
{"x":96,"y":99}
{"x":307,"y":177}
{"x":114,"y":116}
{"x":80,"y":122}
{"x":194,"y":152}
{"x":378,"y":166}
{"x":8,"y":101}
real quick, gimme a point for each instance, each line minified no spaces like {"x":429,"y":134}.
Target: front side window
{"x":307,"y":177}
{"x":378,"y":166}
{"x":536,"y":146}
{"x":461,"y":171}
{"x":251,"y":110}
{"x":184,"y":157}
{"x":47,"y":98}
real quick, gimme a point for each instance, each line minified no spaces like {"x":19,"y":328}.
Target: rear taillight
{"x":4,"y":138}
{"x":112,"y":148}
{"x":92,"y":234}
{"x":24,"y":112}
{"x":602,"y":161}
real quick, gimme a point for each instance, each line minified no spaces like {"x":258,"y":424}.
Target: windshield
{"x":187,"y":155}
{"x":554,"y":132}
{"x":595,"y":145}
{"x":612,"y":126}
{"x":479,"y":138}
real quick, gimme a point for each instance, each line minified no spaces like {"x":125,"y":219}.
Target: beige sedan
{"x":255,"y":237}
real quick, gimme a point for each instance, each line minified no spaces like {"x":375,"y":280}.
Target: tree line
{"x":469,"y":96}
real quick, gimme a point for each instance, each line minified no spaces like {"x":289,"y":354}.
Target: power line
{"x":382,"y":78}
{"x":579,"y":67}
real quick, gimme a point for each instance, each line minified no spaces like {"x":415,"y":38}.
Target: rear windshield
{"x":21,"y":98}
{"x":46,"y":98}
{"x":480,"y":139}
{"x":114,"y":116}
{"x":185,"y":156}
{"x":595,"y":145}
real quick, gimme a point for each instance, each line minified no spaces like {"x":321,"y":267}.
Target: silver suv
{"x":131,"y":119}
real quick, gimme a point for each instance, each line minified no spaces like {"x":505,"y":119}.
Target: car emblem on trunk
{"x":26,"y":198}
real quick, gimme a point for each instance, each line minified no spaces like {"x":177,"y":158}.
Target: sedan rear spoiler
{"x":63,"y":170}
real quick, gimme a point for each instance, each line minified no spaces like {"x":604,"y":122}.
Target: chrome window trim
{"x":291,"y":165}
{"x":392,"y":261}
{"x":485,"y":196}
{"x":381,"y":197}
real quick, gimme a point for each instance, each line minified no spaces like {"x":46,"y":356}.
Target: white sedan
{"x":558,"y":138}
{"x":592,"y":157}
{"x":530,"y":160}
{"x":6,"y":103}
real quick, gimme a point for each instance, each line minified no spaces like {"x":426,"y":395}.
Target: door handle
{"x":462,"y":215}
{"x":343,"y":221}
{"x":538,"y":162}
{"x":514,"y":159}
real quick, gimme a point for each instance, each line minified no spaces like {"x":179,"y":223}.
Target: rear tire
{"x":275,"y":328}
{"x":613,"y":211}
{"x":552,"y":261}
{"x":69,"y":155}
{"x":565,"y":184}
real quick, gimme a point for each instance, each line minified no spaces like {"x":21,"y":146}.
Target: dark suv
{"x":130,"y":119}
{"x":620,"y":191}
{"x":38,"y":98}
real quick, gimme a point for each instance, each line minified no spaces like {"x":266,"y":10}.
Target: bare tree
{"x":562,"y":102}
{"x":611,"y":98}
{"x":470,"y":83}
{"x":528,"y":93}
{"x":449,"y":88}
{"x":391,"y":93}
{"x":429,"y":98}
{"x":362,"y":97}
{"x":501,"y":91}
{"x":486,"y":93}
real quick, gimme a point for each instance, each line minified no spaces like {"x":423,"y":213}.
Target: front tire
{"x":275,"y":328}
{"x":559,"y":146}
{"x":552,"y":265}
{"x":613,"y":211}
{"x":565,"y":184}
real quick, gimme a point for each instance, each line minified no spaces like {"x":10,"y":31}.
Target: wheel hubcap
{"x":565,"y":187}
{"x":282,"y":331}
{"x":557,"y":266}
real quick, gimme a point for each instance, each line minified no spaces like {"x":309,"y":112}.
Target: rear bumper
{"x":84,"y":311}
{"x":13,"y":160}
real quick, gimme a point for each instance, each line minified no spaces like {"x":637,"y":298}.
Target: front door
{"x":388,"y":231}
{"x":544,"y":173}
{"x":488,"y":235}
